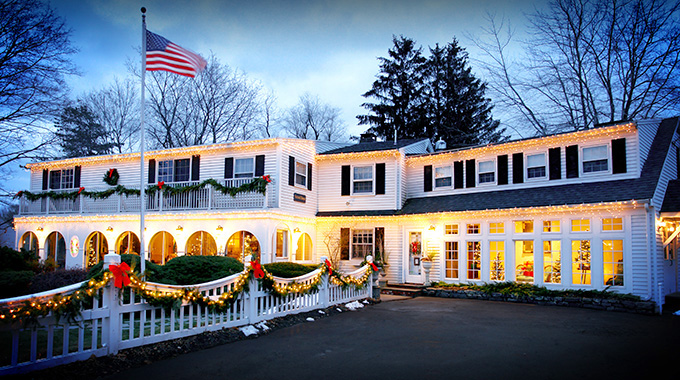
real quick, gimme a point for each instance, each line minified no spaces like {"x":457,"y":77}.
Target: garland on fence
{"x":258,"y":185}
{"x":70,"y":306}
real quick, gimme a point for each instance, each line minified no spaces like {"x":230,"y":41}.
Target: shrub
{"x":521,"y":289}
{"x":56,"y":279}
{"x":133,"y":261}
{"x":289,"y":270}
{"x":17,"y":260}
{"x":189,"y":270}
{"x":14,"y":283}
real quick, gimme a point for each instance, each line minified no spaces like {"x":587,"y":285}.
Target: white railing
{"x":206,"y":198}
{"x":118,"y":320}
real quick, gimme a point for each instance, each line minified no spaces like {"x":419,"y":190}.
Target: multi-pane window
{"x":451,"y":229}
{"x":552,"y":265}
{"x":487,"y":172}
{"x":174,"y":170}
{"x":182,"y":170}
{"x":580,"y":225}
{"x":524,"y":226}
{"x":595,"y":159}
{"x":473,"y":229}
{"x":281,"y":243}
{"x":551,"y":226}
{"x":612,"y":224}
{"x":497,"y":260}
{"x":165,"y":171}
{"x":474,"y":260}
{"x":61,"y":179}
{"x":580,"y":262}
{"x":496,"y":228}
{"x":442,"y":176}
{"x":300,"y":173}
{"x":362,"y":179}
{"x":244,"y":168}
{"x":536,"y":165}
{"x":612,"y":258}
{"x":451,"y":261}
{"x":362,"y":243}
{"x":524,"y":260}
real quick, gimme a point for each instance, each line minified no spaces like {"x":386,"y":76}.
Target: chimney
{"x":367,"y":137}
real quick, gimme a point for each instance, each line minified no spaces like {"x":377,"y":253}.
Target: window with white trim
{"x":580,"y":225}
{"x":362,"y":179}
{"x":551,"y":226}
{"x":473,"y":229}
{"x":612,"y":224}
{"x":362,"y":244}
{"x":244,"y":167}
{"x":451,"y":261}
{"x":536,"y":166}
{"x":61,"y":179}
{"x":497,"y":260}
{"x":496,"y":228}
{"x":300,"y":173}
{"x":552,"y":265}
{"x":595,"y":159}
{"x":451,"y":229}
{"x":443,"y":176}
{"x":281,"y":244}
{"x":487,"y":172}
{"x":174,"y":170}
{"x":612,"y":258}
{"x":524,"y":226}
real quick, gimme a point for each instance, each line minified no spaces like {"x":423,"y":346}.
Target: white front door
{"x":414,"y":253}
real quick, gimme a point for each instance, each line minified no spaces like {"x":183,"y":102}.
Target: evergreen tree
{"x":79,"y":134}
{"x":399,"y":93}
{"x":458,"y":112}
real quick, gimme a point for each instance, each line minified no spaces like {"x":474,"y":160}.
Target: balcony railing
{"x":206,"y":198}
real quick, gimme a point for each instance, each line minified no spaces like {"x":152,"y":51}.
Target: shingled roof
{"x":571,"y":194}
{"x":671,"y":202}
{"x":373,"y":146}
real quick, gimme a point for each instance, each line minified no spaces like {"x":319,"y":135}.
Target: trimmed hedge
{"x":289,"y":270}
{"x":520,"y":289}
{"x":188,"y":270}
{"x":11,"y":260}
{"x":15,"y":283}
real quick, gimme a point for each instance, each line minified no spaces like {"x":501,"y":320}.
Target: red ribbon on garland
{"x":160,"y":185}
{"x":120,"y":274}
{"x":267,"y":178}
{"x":257,"y":269}
{"x":375,"y":268}
{"x":110,"y":172}
{"x":329,"y":266}
{"x":80,"y":190}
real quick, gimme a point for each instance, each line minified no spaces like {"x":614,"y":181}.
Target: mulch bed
{"x":99,"y":367}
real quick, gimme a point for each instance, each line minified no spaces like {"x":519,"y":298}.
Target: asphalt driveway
{"x":444,"y":338}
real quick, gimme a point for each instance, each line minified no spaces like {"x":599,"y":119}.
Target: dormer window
{"x":443,"y":176}
{"x":244,"y":168}
{"x":362,"y":179}
{"x":536,"y":166}
{"x":487,"y":172}
{"x":595,"y":159}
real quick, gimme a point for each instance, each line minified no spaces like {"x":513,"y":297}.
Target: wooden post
{"x":111,"y":327}
{"x":324,"y":296}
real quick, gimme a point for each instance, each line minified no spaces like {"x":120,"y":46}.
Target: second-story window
{"x":61,"y":179}
{"x":174,"y":170}
{"x":442,"y":176}
{"x":536,"y":165}
{"x":595,"y":159}
{"x":300,"y":173}
{"x":362,"y":179}
{"x":244,"y":168}
{"x":486,"y":172}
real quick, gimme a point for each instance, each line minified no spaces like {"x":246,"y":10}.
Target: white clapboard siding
{"x":303,"y":151}
{"x":640,"y":260}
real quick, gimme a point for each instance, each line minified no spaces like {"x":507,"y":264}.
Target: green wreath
{"x":111,"y":177}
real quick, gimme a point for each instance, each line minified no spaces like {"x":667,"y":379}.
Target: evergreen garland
{"x":111,"y":177}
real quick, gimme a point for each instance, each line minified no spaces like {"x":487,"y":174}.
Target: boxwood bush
{"x":188,"y":270}
{"x":289,"y":270}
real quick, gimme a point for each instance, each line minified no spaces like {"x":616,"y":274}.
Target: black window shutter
{"x":517,"y":167}
{"x":571,"y":153}
{"x":427,"y":178}
{"x":309,"y":176}
{"x":345,"y":186}
{"x":46,"y":179}
{"x":379,"y":251}
{"x":555,"y":163}
{"x":152,"y":171}
{"x":470,"y":175}
{"x":458,"y":175}
{"x":380,"y":178}
{"x":259,"y":165}
{"x":76,"y":177}
{"x":291,"y":170}
{"x":344,"y":244}
{"x":195,"y":167}
{"x":619,"y":156}
{"x":502,"y":163}
{"x":229,"y":167}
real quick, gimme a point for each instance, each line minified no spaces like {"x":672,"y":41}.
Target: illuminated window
{"x":551,"y":226}
{"x":612,"y":224}
{"x":442,"y":176}
{"x":244,"y":167}
{"x":580,"y":262}
{"x":524,"y":226}
{"x":300,"y":173}
{"x":55,"y":249}
{"x":487,"y":173}
{"x":473,"y":229}
{"x":595,"y":159}
{"x":304,"y":248}
{"x":451,"y":229}
{"x":612,"y":257}
{"x":552,"y":265}
{"x":242,"y":244}
{"x":127,"y":243}
{"x":201,"y":243}
{"x":281,"y":244}
{"x":580,"y":225}
{"x":536,"y":166}
{"x":524,"y":260}
{"x":451,"y":259}
{"x":497,"y":228}
{"x":29,"y":242}
{"x":362,"y":179}
{"x":474,"y":260}
{"x":61,"y":179}
{"x":497,"y":260}
{"x":162,"y":248}
{"x":96,"y":247}
{"x":362,"y":243}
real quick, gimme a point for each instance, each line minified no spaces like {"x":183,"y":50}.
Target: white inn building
{"x":592,"y":209}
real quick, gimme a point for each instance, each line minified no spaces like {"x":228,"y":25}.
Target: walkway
{"x":443,"y":338}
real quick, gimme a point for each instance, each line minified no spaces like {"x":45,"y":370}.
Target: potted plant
{"x":426,"y":262}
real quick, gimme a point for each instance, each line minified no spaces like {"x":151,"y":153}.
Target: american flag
{"x":162,"y":54}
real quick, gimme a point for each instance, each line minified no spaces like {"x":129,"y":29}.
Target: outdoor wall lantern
{"x":219,"y":228}
{"x":432,"y":227}
{"x":109,"y":229}
{"x":296,"y":230}
{"x":39,"y":229}
{"x":180,"y":228}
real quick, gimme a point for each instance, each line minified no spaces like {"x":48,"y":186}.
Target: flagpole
{"x":142,"y":197}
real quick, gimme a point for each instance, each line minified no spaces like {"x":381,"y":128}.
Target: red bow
{"x":267,"y":178}
{"x":375,"y":268}
{"x":329,"y":266}
{"x":120,"y":274}
{"x":19,"y":194}
{"x":257,"y":269}
{"x":110,"y":172}
{"x":160,"y":185}
{"x":80,"y":190}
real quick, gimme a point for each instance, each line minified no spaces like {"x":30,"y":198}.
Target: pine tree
{"x":79,"y":134}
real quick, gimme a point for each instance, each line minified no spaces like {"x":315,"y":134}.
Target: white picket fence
{"x":118,"y":321}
